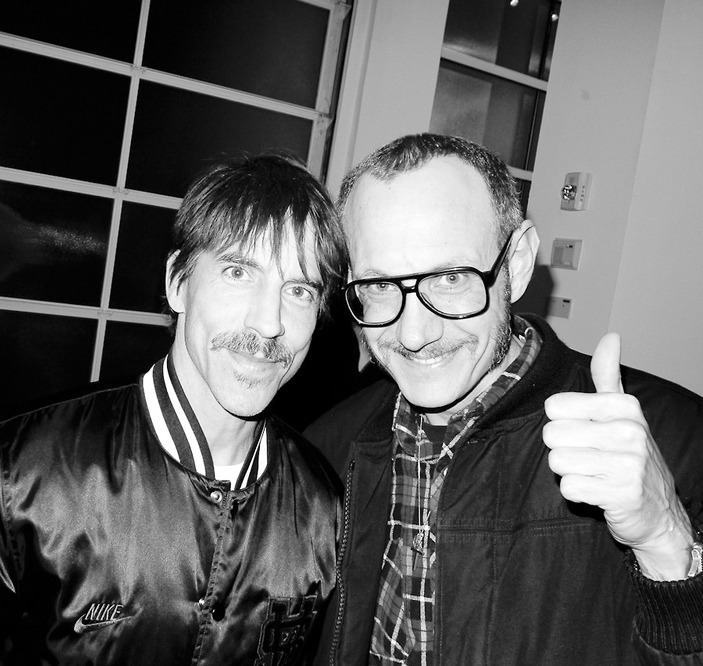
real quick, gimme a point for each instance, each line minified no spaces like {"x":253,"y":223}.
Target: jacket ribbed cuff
{"x":669,"y":613}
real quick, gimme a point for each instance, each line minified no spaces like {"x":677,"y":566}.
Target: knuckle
{"x":632,"y":466}
{"x":631,"y":433}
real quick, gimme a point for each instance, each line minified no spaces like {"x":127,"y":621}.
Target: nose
{"x":417,"y":326}
{"x":264,"y":312}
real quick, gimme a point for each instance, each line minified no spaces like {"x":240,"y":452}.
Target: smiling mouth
{"x":428,"y":359}
{"x":432,"y":360}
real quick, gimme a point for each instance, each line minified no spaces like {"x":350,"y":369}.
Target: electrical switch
{"x":566,"y":253}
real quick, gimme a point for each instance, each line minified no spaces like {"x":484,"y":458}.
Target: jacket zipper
{"x":341,"y":592}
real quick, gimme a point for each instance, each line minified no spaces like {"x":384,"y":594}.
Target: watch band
{"x":696,"y":560}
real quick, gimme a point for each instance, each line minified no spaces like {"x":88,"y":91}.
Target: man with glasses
{"x":506,"y":502}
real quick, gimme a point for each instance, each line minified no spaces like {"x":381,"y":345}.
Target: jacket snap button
{"x":216,"y":496}
{"x":218,"y":613}
{"x":201,"y":602}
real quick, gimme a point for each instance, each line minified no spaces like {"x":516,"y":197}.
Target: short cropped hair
{"x":413,"y":151}
{"x":242,"y":200}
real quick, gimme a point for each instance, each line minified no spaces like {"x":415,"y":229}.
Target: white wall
{"x":625,"y":102}
{"x":658,"y":306}
{"x":593,"y":121}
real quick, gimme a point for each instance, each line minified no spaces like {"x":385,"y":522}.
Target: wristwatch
{"x":696,"y":560}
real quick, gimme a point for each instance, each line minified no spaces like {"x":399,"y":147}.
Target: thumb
{"x":605,"y":365}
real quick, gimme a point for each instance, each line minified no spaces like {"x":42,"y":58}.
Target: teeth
{"x":429,"y":361}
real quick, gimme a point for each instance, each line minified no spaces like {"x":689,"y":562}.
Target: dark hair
{"x":242,"y":200}
{"x":413,"y":151}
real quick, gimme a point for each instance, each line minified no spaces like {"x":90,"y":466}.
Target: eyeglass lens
{"x":458,"y":293}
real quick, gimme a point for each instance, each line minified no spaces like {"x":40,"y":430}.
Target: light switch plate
{"x":559,"y":307}
{"x":566,"y":253}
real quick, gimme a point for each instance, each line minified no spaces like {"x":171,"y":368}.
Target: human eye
{"x":303,"y":293}
{"x":377,"y":290}
{"x":237,"y":273}
{"x":453,"y":281}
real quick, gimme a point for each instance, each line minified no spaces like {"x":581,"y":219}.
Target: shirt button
{"x":216,"y":496}
{"x":218,"y":612}
{"x":201,"y":603}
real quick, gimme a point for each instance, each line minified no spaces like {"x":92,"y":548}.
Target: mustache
{"x":426,"y":353}
{"x":251,"y":343}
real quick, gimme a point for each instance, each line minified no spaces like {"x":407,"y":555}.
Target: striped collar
{"x":179,"y":431}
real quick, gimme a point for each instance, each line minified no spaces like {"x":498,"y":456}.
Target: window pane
{"x":53,"y":244}
{"x":142,"y":246}
{"x":107,"y":28}
{"x":520,"y":38}
{"x":131,"y":349}
{"x":59,"y":118}
{"x":267,"y":47}
{"x":175,"y":131}
{"x":42,"y":356}
{"x":499,"y":114}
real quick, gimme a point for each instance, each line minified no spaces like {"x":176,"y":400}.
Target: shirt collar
{"x":178,"y":429}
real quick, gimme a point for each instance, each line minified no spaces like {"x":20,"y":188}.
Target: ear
{"x":174,"y":291}
{"x":522,"y":258}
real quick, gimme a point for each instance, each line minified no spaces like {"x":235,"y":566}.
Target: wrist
{"x":678,"y":559}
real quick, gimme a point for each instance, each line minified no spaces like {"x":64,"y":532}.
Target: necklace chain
{"x":420,"y":539}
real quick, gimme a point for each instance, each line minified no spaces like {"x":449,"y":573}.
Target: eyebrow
{"x":237,"y":258}
{"x":377,"y":275}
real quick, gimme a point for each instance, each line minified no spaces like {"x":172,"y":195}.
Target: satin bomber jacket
{"x":522,"y":575}
{"x":112,"y":552}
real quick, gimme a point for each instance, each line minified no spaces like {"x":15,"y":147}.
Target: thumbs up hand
{"x":603,"y":450}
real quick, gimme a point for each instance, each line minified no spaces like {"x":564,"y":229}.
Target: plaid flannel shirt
{"x":403,"y":630}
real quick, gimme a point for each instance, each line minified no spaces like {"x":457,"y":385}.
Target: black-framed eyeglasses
{"x":453,"y":293}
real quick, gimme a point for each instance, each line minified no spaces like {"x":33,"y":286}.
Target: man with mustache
{"x":171,"y":521}
{"x":508,"y":500}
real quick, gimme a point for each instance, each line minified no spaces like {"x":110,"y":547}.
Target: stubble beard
{"x":502,"y":333}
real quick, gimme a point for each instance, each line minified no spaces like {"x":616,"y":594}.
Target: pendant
{"x":419,"y":543}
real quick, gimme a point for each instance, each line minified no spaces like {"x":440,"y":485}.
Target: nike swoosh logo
{"x":82,"y":627}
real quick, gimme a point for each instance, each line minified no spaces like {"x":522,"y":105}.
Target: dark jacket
{"x":112,"y":552}
{"x":523,"y":576}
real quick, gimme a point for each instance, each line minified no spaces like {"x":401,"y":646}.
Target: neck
{"x":230,"y":441}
